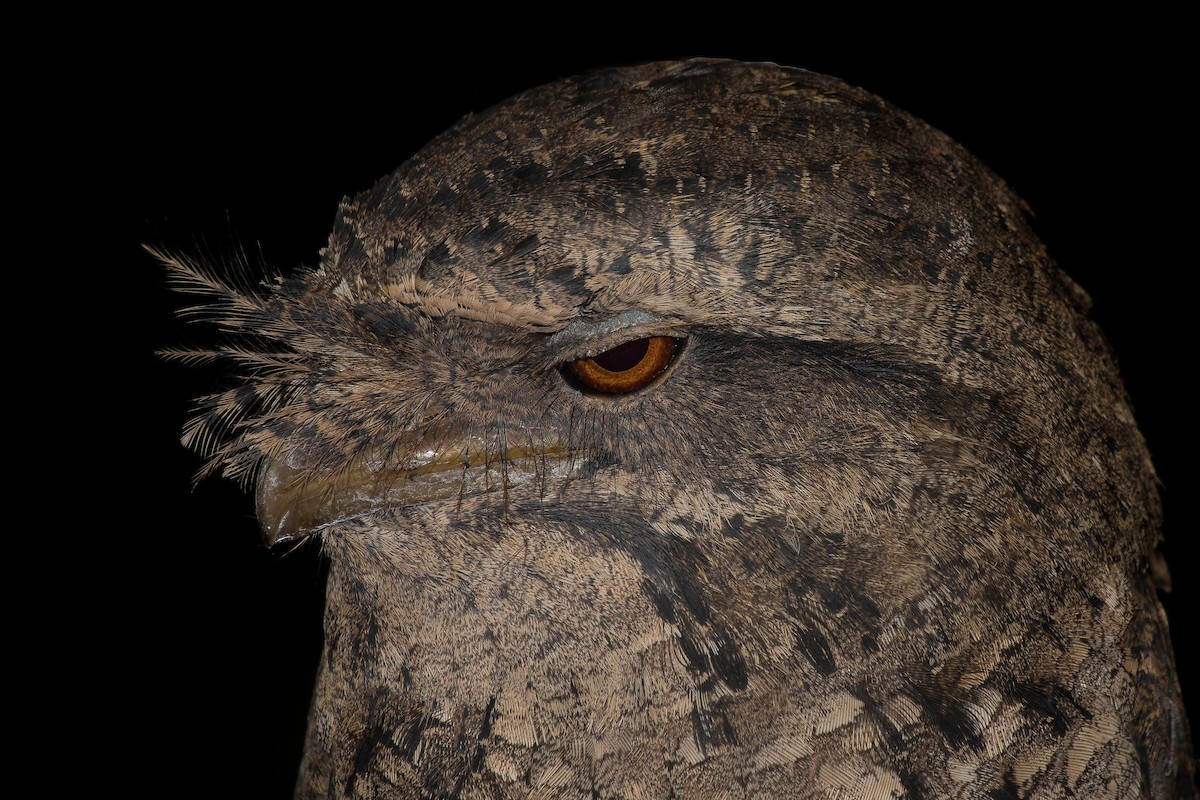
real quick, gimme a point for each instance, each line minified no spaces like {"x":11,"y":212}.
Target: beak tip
{"x":273,"y":537}
{"x":281,"y":526}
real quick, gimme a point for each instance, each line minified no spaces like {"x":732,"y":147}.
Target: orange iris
{"x":626,"y":367}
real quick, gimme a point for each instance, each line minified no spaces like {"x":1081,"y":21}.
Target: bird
{"x":703,"y":429}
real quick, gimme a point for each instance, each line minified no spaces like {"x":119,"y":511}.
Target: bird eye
{"x":625,"y":368}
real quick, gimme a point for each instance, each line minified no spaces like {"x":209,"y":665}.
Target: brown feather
{"x":884,"y":529}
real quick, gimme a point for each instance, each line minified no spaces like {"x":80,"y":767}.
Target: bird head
{"x":729,"y":363}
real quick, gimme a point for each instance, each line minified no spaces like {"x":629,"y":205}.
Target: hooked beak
{"x":296,"y":499}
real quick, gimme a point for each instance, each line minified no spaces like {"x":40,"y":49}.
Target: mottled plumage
{"x":884,"y":528}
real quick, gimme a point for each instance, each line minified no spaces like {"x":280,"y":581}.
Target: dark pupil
{"x":623,"y":356}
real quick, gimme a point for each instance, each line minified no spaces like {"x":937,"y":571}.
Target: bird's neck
{"x":491,"y":649}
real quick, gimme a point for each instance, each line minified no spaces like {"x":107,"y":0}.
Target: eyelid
{"x":589,"y":339}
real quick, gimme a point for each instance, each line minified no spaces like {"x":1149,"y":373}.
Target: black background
{"x":252,"y":142}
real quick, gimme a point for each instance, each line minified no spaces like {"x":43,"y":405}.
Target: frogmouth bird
{"x":704,"y":430}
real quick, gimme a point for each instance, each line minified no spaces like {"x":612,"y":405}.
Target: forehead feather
{"x":749,"y":195}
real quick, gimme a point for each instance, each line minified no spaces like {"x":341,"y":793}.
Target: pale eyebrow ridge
{"x":578,"y":332}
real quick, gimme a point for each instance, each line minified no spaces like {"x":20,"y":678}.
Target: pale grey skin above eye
{"x":886,"y":528}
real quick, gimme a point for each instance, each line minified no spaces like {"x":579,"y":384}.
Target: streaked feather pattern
{"x":884,"y":529}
